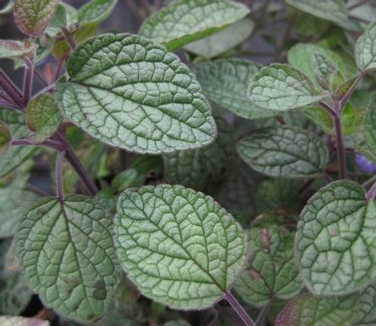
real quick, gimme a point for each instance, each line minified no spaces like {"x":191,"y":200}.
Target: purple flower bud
{"x":365,"y":164}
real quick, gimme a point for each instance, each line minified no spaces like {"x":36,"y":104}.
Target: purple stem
{"x":341,"y":155}
{"x":371,"y":193}
{"x":28,"y":81}
{"x":247,"y":320}
{"x":59,"y":176}
{"x":10,"y":89}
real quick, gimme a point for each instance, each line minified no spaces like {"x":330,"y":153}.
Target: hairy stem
{"x":239,"y":309}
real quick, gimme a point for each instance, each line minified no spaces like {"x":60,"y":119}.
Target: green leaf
{"x":15,"y":155}
{"x":7,"y":8}
{"x":65,"y":16}
{"x":281,"y":87}
{"x":96,"y":11}
{"x":68,"y":256}
{"x":196,"y":169}
{"x":10,"y":49}
{"x":5,"y":137}
{"x":284,"y":152}
{"x":22,"y":321}
{"x":332,"y":10}
{"x":42,"y":116}
{"x":366,"y":312}
{"x":185,"y":21}
{"x":130,"y":93}
{"x":309,"y":310}
{"x":271,"y":271}
{"x":33,"y":16}
{"x":225,"y":83}
{"x":369,"y":128}
{"x":15,"y":201}
{"x":222,"y":41}
{"x":365,"y":49}
{"x":177,"y":245}
{"x":335,"y":245}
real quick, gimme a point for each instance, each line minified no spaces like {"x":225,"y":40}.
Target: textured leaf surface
{"x":366,"y":312}
{"x":225,"y":83}
{"x":186,"y":21}
{"x":271,"y":270}
{"x":33,"y":16}
{"x":42,"y":116}
{"x":68,"y":256}
{"x":95,"y":11}
{"x":281,"y":87}
{"x":178,"y":246}
{"x":15,"y":201}
{"x":22,"y":321}
{"x":222,"y":41}
{"x":15,"y":155}
{"x":332,"y":10}
{"x":130,"y":93}
{"x":365,"y":49}
{"x":284,"y":152}
{"x":308,"y":310}
{"x":5,"y":137}
{"x":335,"y":241}
{"x":14,"y":49}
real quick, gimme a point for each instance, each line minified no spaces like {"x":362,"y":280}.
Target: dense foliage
{"x":191,"y":182}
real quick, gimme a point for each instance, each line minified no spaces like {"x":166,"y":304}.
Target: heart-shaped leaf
{"x":177,"y":245}
{"x":281,"y":87}
{"x":335,"y":241}
{"x":68,"y":256}
{"x":185,"y":21}
{"x":128,"y":92}
{"x":33,"y":16}
{"x":284,"y":152}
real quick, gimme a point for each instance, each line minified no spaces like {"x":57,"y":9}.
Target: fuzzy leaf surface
{"x":225,"y":83}
{"x":284,"y":152}
{"x":68,"y":256}
{"x":185,"y":21}
{"x":332,"y":10}
{"x":33,"y":16}
{"x":177,"y":245}
{"x":130,"y":93}
{"x":281,"y":87}
{"x":308,"y":310}
{"x":365,"y":49}
{"x":335,"y":241}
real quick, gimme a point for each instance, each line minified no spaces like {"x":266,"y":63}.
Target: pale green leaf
{"x":42,"y":116}
{"x":365,"y":49}
{"x":65,"y":16}
{"x":222,"y":41}
{"x":366,"y":312}
{"x":15,"y":155}
{"x":225,"y":83}
{"x":185,"y":21}
{"x":281,"y":87}
{"x":22,"y":321}
{"x":309,"y":310}
{"x":284,"y":152}
{"x":335,"y":241}
{"x":130,"y":93}
{"x":271,"y":271}
{"x":15,"y":201}
{"x":33,"y":16}
{"x":68,"y":257}
{"x":15,"y":49}
{"x":96,"y":11}
{"x":5,"y":137}
{"x":332,"y":10}
{"x":177,"y":245}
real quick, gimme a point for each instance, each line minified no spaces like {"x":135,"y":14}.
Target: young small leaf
{"x":67,"y":253}
{"x":185,"y":21}
{"x":332,"y":10}
{"x":225,"y":83}
{"x":335,"y":241}
{"x":42,"y":116}
{"x":284,"y":152}
{"x":311,"y":310}
{"x":128,"y":92}
{"x":15,"y":49}
{"x":365,"y":49}
{"x":281,"y":87}
{"x":95,"y":11}
{"x":33,"y":16}
{"x":177,"y":245}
